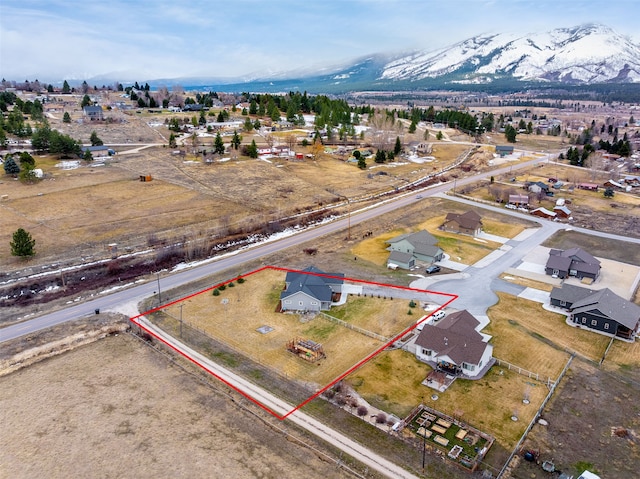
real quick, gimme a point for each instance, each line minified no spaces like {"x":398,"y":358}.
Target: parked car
{"x":434,"y":268}
{"x":510,"y":206}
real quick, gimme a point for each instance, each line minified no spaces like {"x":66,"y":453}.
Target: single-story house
{"x":310,"y":290}
{"x":567,"y":294}
{"x":542,"y":212}
{"x":455,"y":346}
{"x":538,"y":187}
{"x":98,"y":150}
{"x":572,"y":262}
{"x":420,"y":147}
{"x":421,"y":245}
{"x":469,"y":223}
{"x":519,"y":200}
{"x":93,"y":112}
{"x":562,"y":211}
{"x":397,"y":259}
{"x":588,"y":186}
{"x":504,"y":150}
{"x":606,"y":312}
{"x":613,"y":184}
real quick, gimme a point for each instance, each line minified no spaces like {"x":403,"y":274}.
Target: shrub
{"x":241,"y":280}
{"x":222,"y":287}
{"x":362,"y":411}
{"x":231,"y":285}
{"x":216,"y":292}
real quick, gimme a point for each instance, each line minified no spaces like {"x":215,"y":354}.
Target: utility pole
{"x":181,"y":305}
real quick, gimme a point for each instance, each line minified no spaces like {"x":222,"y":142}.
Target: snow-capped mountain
{"x":584,"y":54}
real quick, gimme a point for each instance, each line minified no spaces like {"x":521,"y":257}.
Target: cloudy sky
{"x":51,"y":40}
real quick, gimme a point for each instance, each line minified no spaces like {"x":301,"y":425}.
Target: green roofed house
{"x":311,"y":290}
{"x":421,"y":246}
{"x":504,"y":150}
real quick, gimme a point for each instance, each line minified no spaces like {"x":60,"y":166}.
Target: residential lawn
{"x":625,"y":355}
{"x":374,"y":249}
{"x":234,"y":316}
{"x":392,"y":382}
{"x":528,"y":317}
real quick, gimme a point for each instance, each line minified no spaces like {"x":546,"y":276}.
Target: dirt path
{"x":117,"y":408}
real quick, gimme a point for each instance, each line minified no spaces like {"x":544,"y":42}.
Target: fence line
{"x":357,"y":329}
{"x":512,"y":367}
{"x":535,"y":418}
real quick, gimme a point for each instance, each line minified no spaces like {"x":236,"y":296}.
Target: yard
{"x":235,"y":316}
{"x":392,"y":382}
{"x":550,"y":338}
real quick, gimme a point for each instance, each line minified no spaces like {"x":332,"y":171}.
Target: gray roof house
{"x":420,"y":245}
{"x":310,"y":290}
{"x":572,"y":262}
{"x":565,"y":296}
{"x":401,"y":260}
{"x":455,"y":346}
{"x":607,"y":313}
{"x":94,"y":113}
{"x":504,"y":150}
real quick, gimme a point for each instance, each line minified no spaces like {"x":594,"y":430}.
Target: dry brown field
{"x":87,"y":208}
{"x":117,"y":408}
{"x":234,"y":316}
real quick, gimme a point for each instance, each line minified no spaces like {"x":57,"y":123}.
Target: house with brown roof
{"x":454,"y":346}
{"x":572,"y":262}
{"x":607,"y":313}
{"x":469,"y":223}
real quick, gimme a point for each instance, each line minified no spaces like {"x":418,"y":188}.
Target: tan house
{"x":469,"y":223}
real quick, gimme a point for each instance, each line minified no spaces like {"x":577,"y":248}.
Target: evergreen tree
{"x":362,"y":163}
{"x":236,"y":140}
{"x":86,"y":101}
{"x":252,"y":150}
{"x":95,"y":141}
{"x":26,"y":160}
{"x":23,"y":244}
{"x":381,"y":156}
{"x":248,"y":124}
{"x":172,"y":140}
{"x":412,"y":127}
{"x":10,"y":166}
{"x":218,"y":144}
{"x":88,"y":157}
{"x":66,"y":118}
{"x":609,"y":193}
{"x":220,"y":118}
{"x":398,"y":147}
{"x":65,"y":87}
{"x":253,"y":108}
{"x":510,"y":133}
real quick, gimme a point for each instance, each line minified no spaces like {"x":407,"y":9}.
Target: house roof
{"x":518,"y":199}
{"x":570,"y":293}
{"x":420,"y":237}
{"x":400,"y":257}
{"x":610,"y":304}
{"x":468,"y":220}
{"x":454,"y":336}
{"x":544,"y":211}
{"x":573,"y":258}
{"x":562,"y":208}
{"x":311,"y":282}
{"x":92,"y":109}
{"x":504,"y":148}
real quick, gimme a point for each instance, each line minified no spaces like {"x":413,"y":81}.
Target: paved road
{"x":283,"y":409}
{"x":234,"y":262}
{"x":477,"y":284}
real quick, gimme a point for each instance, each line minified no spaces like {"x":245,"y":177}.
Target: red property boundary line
{"x":134,"y":320}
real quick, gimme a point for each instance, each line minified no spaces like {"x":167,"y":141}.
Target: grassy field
{"x":234,"y":316}
{"x":526,"y":282}
{"x":538,"y":323}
